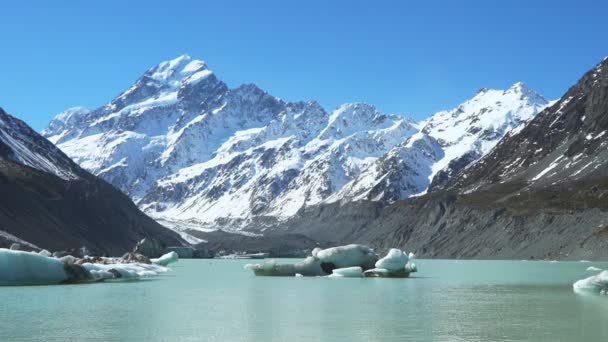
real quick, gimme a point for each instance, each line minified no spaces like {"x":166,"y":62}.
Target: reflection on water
{"x":219,"y":300}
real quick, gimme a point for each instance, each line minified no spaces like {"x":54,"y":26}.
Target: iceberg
{"x":123,"y":271}
{"x":30,"y":268}
{"x":594,"y":269}
{"x":342,"y":261}
{"x":395,"y":264}
{"x":348,"y":272}
{"x":322,"y":262}
{"x":166,"y":259}
{"x":394,"y":260}
{"x":271,"y":268}
{"x":594,"y":284}
{"x":346,"y":256}
{"x":25,"y":268}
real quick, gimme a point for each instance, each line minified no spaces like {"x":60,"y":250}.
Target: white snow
{"x":551,"y":166}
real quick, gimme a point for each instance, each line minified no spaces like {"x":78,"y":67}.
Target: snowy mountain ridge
{"x":186,"y":147}
{"x":20,"y":144}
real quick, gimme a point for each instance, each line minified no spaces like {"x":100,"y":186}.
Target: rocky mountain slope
{"x":48,"y":201}
{"x":187,"y":148}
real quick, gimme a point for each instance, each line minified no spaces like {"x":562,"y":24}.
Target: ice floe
{"x":31,"y":268}
{"x":166,"y":259}
{"x":25,"y":268}
{"x":594,"y":284}
{"x":342,"y":261}
{"x":594,"y":269}
{"x":394,"y":260}
{"x":348,"y":272}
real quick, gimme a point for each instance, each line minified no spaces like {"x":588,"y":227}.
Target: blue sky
{"x":405,"y":57}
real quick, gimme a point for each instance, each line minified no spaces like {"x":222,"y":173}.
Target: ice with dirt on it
{"x":348,"y":272}
{"x":123,"y":271}
{"x":594,"y":284}
{"x":19,"y":268}
{"x":166,"y":259}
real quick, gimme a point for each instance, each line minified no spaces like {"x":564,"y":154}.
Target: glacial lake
{"x":218,"y":300}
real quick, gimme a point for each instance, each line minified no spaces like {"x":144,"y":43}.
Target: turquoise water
{"x":217,"y":300}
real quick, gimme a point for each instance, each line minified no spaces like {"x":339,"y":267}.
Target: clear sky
{"x":405,"y":57}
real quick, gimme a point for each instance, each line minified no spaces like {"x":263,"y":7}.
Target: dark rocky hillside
{"x":49,"y":201}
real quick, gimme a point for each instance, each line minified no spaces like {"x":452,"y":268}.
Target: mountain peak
{"x":519,"y":86}
{"x":178,"y":68}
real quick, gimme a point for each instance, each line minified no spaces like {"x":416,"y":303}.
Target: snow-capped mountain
{"x":448,"y":142}
{"x":186,"y":147}
{"x":564,"y":145}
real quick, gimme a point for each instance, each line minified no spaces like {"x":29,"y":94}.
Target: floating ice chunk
{"x":594,"y":269}
{"x":29,"y":268}
{"x":411,"y":255}
{"x":25,"y":268}
{"x":347,"y":256}
{"x":166,"y":259}
{"x":322,"y":262}
{"x":310,"y":267}
{"x":123,"y":271}
{"x":411,"y":267}
{"x":594,"y":284}
{"x":384,"y":273}
{"x":348,"y":272}
{"x":393,"y":261}
{"x":271,"y":268}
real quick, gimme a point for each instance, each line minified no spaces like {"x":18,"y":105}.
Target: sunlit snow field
{"x":217,"y":300}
